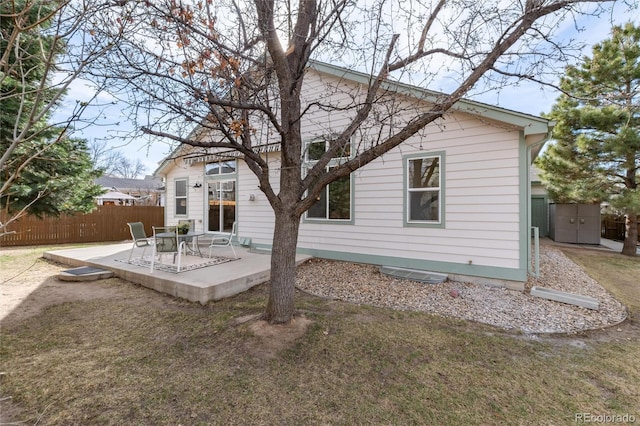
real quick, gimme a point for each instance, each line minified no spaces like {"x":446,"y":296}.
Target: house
{"x":142,"y":192}
{"x":473,"y":221}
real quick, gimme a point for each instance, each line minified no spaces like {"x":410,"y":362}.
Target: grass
{"x":618,"y":274}
{"x":138,"y":357}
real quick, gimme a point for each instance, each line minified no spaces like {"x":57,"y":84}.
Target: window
{"x":334,"y":201}
{"x":317,"y":147}
{"x":181,"y":197}
{"x":220,"y":168}
{"x":424,"y":189}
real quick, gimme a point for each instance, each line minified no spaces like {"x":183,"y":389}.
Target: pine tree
{"x":42,"y":170}
{"x":596,"y":156}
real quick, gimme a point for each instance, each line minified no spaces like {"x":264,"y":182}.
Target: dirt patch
{"x":274,"y":338}
{"x":26,"y":302}
{"x":35,"y":288}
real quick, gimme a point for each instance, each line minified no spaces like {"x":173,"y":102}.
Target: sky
{"x":527,"y":97}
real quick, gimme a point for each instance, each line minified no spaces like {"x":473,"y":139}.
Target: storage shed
{"x":575,"y":223}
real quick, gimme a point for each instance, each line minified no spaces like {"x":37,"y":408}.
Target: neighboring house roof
{"x":115,"y":195}
{"x":530,"y":124}
{"x":149,"y":183}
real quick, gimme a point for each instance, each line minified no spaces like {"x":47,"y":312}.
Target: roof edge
{"x":531,"y":124}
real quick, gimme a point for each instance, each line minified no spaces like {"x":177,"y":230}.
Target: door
{"x":566,"y":225}
{"x":221,"y":203}
{"x":588,"y":224}
{"x":575,"y":223}
{"x":539,"y":214}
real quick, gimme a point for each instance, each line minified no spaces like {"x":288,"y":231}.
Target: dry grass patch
{"x":133,"y":356}
{"x":619,"y":274}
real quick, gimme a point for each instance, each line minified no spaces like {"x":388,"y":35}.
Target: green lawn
{"x":133,"y":356}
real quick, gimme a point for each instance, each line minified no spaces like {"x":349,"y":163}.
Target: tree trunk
{"x":280,"y":307}
{"x":629,"y":247}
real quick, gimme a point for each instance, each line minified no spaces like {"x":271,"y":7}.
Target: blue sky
{"x":527,"y":97}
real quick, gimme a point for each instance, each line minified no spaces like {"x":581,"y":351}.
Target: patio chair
{"x":139,"y":237}
{"x":224,"y":241}
{"x":166,"y":241}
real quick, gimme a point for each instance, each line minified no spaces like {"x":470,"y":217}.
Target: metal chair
{"x":166,"y":241}
{"x":224,"y":241}
{"x":139,"y":237}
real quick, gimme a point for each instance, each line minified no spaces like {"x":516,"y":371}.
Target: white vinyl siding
{"x":255,"y":217}
{"x":481,"y":201}
{"x":195,"y":202}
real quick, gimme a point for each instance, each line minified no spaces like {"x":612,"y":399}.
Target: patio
{"x":198,"y":285}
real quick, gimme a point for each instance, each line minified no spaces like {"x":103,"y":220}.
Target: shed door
{"x":588,"y":224}
{"x":566,"y":223}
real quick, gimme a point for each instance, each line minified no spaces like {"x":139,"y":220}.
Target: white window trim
{"x":439,"y":189}
{"x":177,"y":197}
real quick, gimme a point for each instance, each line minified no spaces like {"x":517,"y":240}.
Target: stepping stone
{"x":564,"y":297}
{"x":85,"y":273}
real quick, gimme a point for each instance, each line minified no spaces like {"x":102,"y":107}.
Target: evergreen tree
{"x":42,"y":171}
{"x":51,"y":178}
{"x":596,"y":156}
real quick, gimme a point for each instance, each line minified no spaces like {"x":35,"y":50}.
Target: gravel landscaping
{"x":509,"y":309}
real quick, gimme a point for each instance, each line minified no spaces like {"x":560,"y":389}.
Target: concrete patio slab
{"x":199,"y":285}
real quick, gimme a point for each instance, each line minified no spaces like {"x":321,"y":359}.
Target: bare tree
{"x":114,"y":162}
{"x":208,"y":74}
{"x":129,"y":169}
{"x":103,"y":157}
{"x":45,"y":48}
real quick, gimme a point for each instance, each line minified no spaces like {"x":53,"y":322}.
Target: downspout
{"x":534,"y":270}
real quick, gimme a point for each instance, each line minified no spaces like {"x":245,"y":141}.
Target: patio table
{"x":195,"y":247}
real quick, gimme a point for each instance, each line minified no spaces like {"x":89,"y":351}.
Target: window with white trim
{"x":334,"y":202}
{"x":220,"y":168}
{"x":424,"y":189}
{"x":181,"y":197}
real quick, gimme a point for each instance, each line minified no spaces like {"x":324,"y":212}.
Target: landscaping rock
{"x":501,"y":307}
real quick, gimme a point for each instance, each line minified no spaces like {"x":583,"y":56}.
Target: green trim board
{"x":491,"y":272}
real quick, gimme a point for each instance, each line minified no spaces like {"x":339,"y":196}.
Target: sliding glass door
{"x":221,"y":205}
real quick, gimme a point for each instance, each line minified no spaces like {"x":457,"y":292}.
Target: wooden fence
{"x":106,"y":223}
{"x":613,"y":228}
